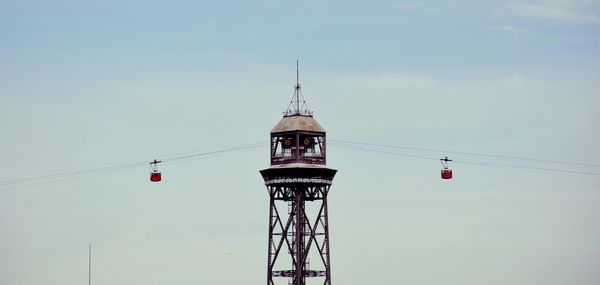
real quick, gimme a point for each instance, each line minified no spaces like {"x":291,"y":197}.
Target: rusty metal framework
{"x":298,"y":230}
{"x":302,"y":230}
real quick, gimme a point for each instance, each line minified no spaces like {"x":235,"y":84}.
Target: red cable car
{"x":446,"y":173}
{"x":155,"y":175}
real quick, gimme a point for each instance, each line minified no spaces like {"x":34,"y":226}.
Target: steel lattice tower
{"x":298,"y":183}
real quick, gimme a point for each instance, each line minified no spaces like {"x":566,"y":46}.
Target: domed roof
{"x":297,"y":123}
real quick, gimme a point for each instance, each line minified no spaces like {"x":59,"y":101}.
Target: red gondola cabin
{"x":155,"y":176}
{"x":446,"y":174}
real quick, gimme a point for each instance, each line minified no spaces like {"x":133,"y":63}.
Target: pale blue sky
{"x":85,"y":84}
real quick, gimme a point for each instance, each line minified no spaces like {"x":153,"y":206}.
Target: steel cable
{"x":8,"y":184}
{"x":382,"y":149}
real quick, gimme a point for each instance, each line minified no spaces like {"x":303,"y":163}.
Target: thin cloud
{"x":512,"y":29}
{"x":576,"y":12}
{"x":387,"y":80}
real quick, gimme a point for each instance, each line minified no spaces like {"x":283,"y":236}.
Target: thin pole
{"x":90,"y":264}
{"x":297,"y":89}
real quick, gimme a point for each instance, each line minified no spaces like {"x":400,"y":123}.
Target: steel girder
{"x":299,"y":233}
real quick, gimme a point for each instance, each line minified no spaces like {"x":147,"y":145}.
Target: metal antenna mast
{"x":298,"y":104}
{"x":297,"y":88}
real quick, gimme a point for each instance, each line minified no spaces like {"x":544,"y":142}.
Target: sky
{"x":86,"y":84}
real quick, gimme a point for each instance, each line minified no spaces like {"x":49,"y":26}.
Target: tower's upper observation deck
{"x":298,"y":137}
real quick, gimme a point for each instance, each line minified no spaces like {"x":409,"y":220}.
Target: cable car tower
{"x":298,"y":183}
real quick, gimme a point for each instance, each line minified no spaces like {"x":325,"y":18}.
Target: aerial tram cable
{"x":73,"y":173}
{"x":561,"y":171}
{"x":10,"y":184}
{"x":461,"y":158}
{"x":384,"y":151}
{"x":466,"y":153}
{"x":543,"y":169}
{"x":218,"y":151}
